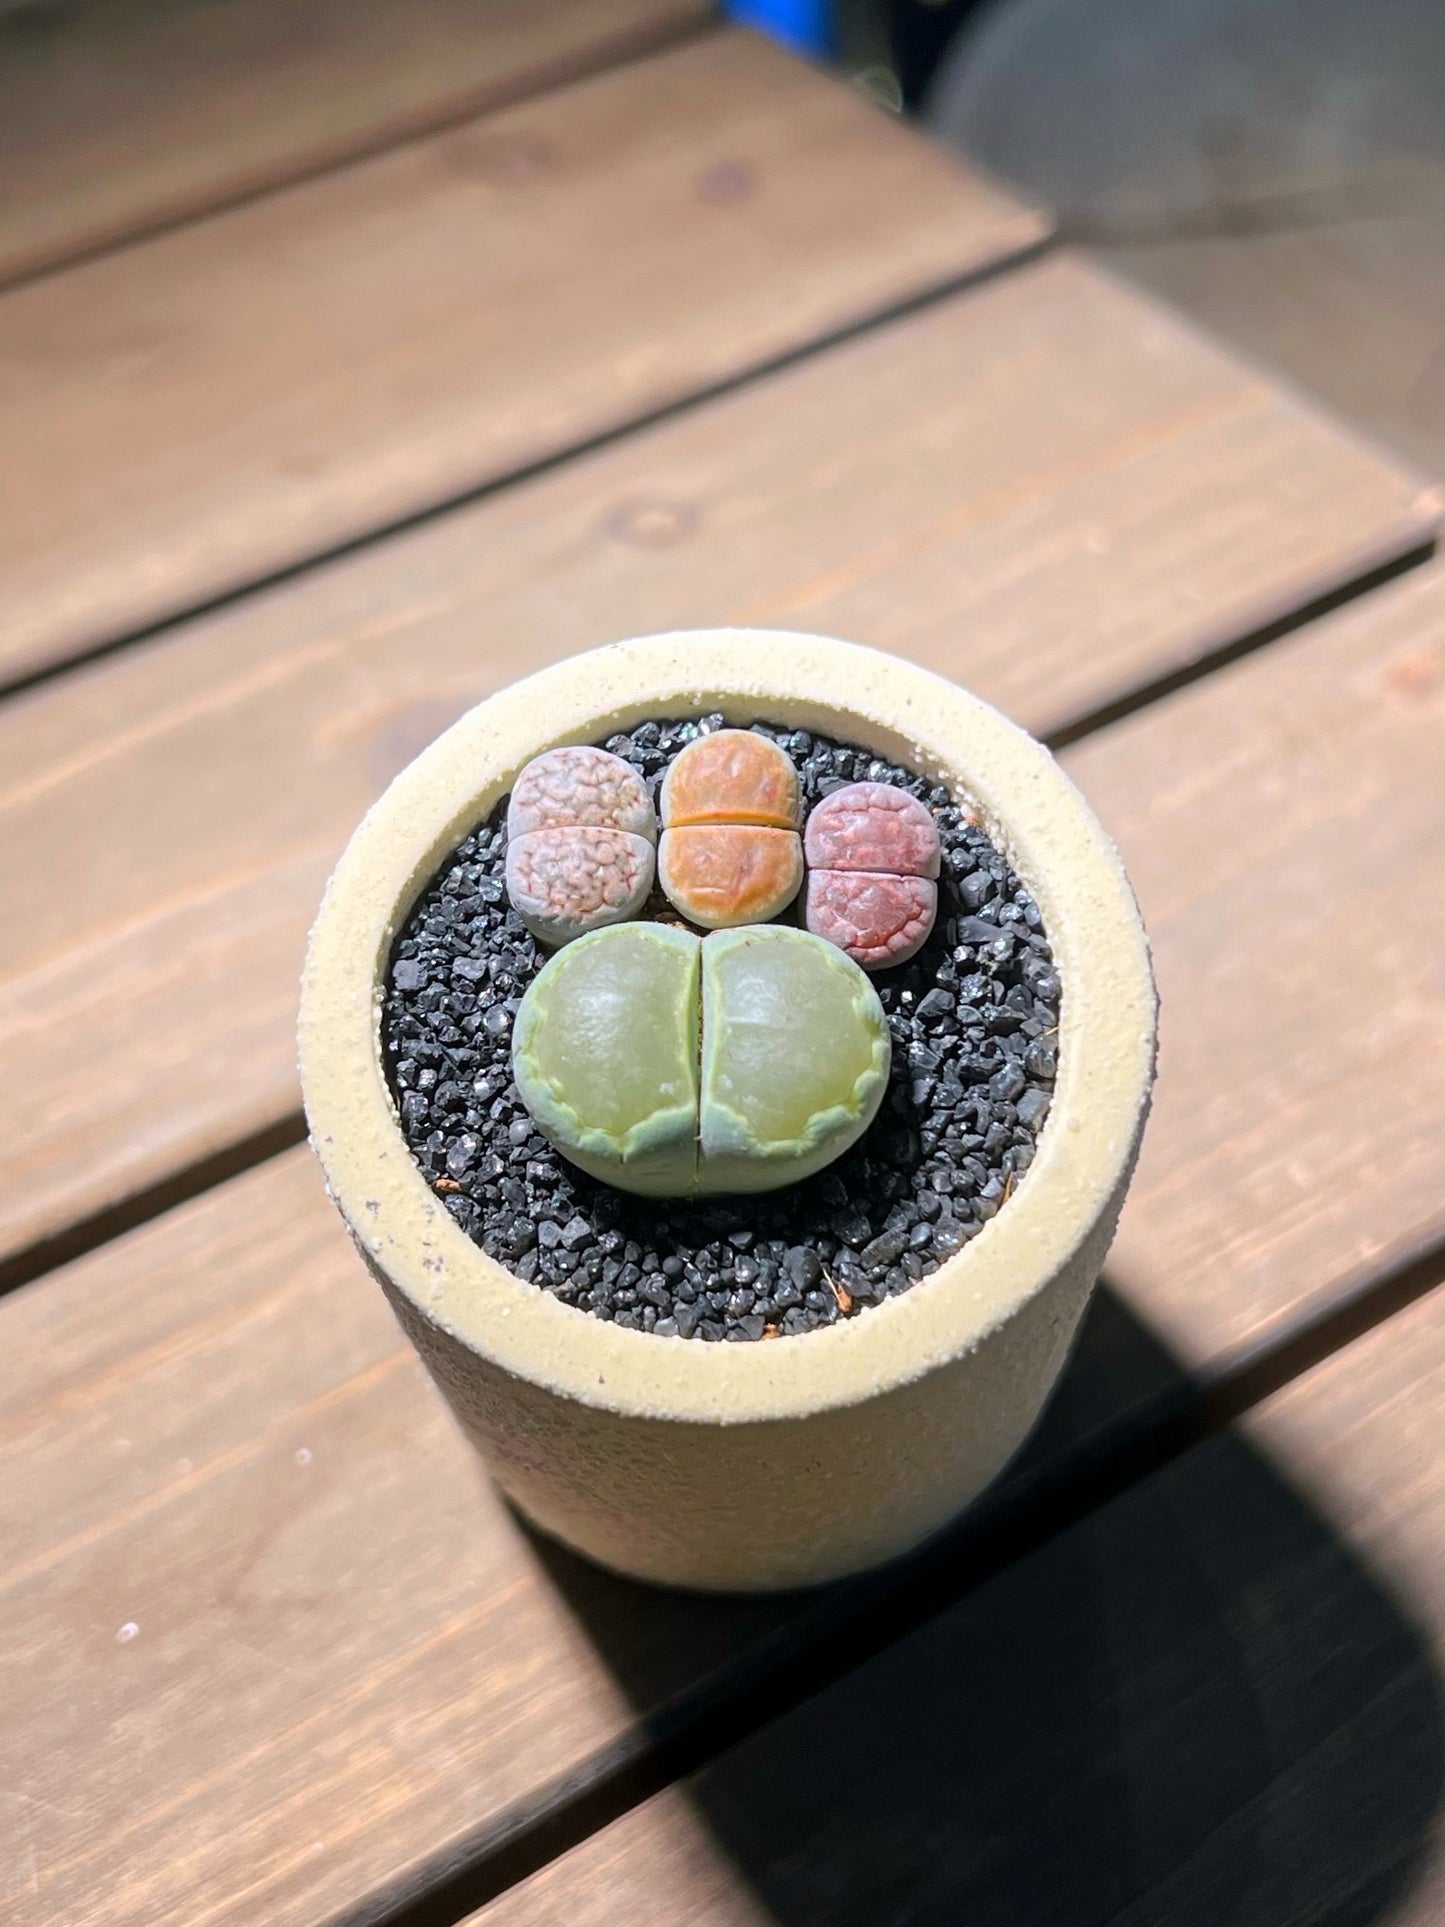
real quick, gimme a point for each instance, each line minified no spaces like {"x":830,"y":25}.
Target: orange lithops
{"x":723,"y":874}
{"x":730,"y":851}
{"x":732,"y":776}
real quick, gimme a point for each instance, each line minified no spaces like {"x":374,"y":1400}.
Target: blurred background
{"x":1276,"y":168}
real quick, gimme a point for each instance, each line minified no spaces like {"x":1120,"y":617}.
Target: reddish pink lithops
{"x":878,"y":920}
{"x":873,"y":858}
{"x":580,"y":837}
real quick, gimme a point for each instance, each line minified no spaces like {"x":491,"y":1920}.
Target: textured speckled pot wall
{"x":799,"y":1459}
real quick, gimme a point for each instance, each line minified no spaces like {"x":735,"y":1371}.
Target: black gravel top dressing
{"x":974,"y":1018}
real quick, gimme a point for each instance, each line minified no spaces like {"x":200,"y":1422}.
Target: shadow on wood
{"x":1276,"y":170}
{"x":1191,"y":1703}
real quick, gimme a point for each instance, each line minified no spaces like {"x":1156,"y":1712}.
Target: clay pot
{"x":776,"y":1464}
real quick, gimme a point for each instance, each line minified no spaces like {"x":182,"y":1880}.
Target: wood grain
{"x":1284,"y":826}
{"x":348,"y":1663}
{"x":245,"y":1554}
{"x":1044,"y":488}
{"x":310,"y":1689}
{"x":1350,"y":303}
{"x":118,"y":118}
{"x":237,"y":395}
{"x":1216,"y":1702}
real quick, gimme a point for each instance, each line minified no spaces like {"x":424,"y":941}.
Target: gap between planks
{"x":879,"y":1612}
{"x":1376,"y":575}
{"x":638,"y":427}
{"x":1106,"y":500}
{"x":87,"y":1234}
{"x":554,"y":50}
{"x":1322,"y":687}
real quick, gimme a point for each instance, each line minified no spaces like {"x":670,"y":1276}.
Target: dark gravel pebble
{"x":974,"y":1018}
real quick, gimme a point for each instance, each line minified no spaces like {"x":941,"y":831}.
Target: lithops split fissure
{"x":672,"y":1065}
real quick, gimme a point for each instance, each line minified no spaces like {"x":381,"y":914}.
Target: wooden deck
{"x":556,"y":323}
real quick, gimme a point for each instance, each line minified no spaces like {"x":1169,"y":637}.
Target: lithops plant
{"x":605,"y":1054}
{"x":674,"y":1066}
{"x":730,"y":851}
{"x":581,"y":832}
{"x":873,"y":860}
{"x":795,"y":1056}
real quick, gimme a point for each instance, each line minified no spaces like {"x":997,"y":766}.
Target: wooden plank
{"x":302,"y":1685}
{"x":1284,"y":826}
{"x":1044,"y":488}
{"x":267,"y":1568}
{"x":1216,"y":1700}
{"x":1350,"y":303}
{"x":240,"y":1531}
{"x":355,"y":1646}
{"x":244,"y":392}
{"x":116,"y":119}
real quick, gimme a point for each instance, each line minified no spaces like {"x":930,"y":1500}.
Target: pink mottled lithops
{"x":577,"y":877}
{"x":564,"y":787}
{"x":580,"y":843}
{"x":873,"y":860}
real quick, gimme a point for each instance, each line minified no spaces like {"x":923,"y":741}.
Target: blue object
{"x":804,"y":25}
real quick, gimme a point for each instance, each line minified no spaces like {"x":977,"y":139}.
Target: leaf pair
{"x":674,"y":1065}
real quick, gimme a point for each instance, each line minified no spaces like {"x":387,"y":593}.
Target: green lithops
{"x":674,"y":1065}
{"x":605,"y":1054}
{"x":795,"y":1055}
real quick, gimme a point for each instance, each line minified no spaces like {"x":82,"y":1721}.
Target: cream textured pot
{"x":778,"y":1463}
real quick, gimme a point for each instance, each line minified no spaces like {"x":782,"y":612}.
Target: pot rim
{"x":1034,"y":814}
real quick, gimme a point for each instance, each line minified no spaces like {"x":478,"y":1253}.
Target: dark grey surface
{"x":1276,"y":168}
